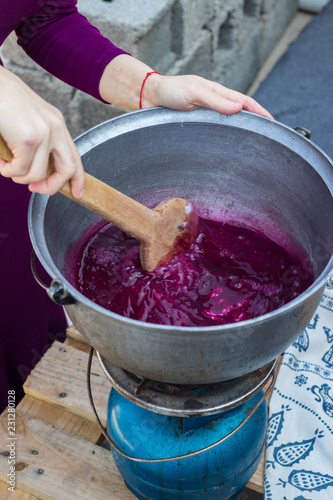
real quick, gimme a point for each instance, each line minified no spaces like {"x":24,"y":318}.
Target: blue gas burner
{"x":176,"y":442}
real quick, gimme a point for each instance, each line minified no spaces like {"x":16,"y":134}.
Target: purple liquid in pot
{"x":229,"y":274}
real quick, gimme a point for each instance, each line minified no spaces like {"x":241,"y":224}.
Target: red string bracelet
{"x":143,"y":84}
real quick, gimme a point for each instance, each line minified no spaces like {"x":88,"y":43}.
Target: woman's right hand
{"x":32,"y":129}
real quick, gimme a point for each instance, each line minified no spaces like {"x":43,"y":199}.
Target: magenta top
{"x":63,"y":42}
{"x":60,"y":40}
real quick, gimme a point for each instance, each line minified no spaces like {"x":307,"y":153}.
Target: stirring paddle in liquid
{"x":165,"y":231}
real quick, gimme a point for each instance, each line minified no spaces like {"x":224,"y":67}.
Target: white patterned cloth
{"x":299,"y":449}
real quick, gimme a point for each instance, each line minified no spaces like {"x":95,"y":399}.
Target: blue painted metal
{"x":217,"y":474}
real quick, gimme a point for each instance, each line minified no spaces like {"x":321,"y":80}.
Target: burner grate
{"x":185,"y":400}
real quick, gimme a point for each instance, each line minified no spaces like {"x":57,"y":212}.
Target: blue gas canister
{"x":218,"y":473}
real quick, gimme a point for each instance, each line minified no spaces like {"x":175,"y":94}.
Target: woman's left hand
{"x":190,"y":92}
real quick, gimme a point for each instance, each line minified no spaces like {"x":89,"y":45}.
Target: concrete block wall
{"x":222,"y":40}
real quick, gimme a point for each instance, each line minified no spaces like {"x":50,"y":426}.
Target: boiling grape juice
{"x":230,"y":274}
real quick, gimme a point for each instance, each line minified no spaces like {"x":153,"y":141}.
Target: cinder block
{"x":84,"y":112}
{"x":267,"y":5}
{"x":189,"y":17}
{"x":155,"y":47}
{"x":141,"y":28}
{"x":199,"y":61}
{"x":48,"y":87}
{"x":236,"y":68}
{"x":226,"y":27}
{"x":253,"y":8}
{"x":275,"y":23}
{"x":12,"y":52}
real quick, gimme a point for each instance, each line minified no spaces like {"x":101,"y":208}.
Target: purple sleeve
{"x":64,"y":43}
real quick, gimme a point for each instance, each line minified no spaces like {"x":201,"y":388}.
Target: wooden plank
{"x":55,"y":465}
{"x":75,"y":339}
{"x":59,"y":379}
{"x":256,"y":482}
{"x":61,"y":419}
{"x":74,"y":334}
{"x":5,"y":494}
{"x":81,"y":346}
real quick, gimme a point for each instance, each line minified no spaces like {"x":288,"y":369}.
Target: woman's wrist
{"x":149,"y":93}
{"x":125,"y":80}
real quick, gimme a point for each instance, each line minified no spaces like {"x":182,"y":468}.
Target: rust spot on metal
{"x":141,"y":386}
{"x":167,"y":388}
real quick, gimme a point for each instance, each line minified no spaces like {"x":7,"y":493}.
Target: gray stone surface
{"x":274,"y":22}
{"x":223,"y":40}
{"x":132,"y":23}
{"x":85,"y":112}
{"x":198,"y":60}
{"x":236,"y":68}
{"x":267,"y":5}
{"x":189,"y":19}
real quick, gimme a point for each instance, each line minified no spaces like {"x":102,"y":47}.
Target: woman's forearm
{"x":122,"y":81}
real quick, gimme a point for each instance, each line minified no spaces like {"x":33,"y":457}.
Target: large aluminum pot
{"x":244,"y":167}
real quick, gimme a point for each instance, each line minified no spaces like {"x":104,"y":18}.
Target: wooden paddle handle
{"x":110,"y":204}
{"x":5,"y":152}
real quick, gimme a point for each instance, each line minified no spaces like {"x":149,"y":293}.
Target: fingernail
{"x":81,"y":193}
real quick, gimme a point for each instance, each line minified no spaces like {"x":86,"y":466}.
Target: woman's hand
{"x":33,"y":129}
{"x":190,"y":92}
{"x":121,"y":84}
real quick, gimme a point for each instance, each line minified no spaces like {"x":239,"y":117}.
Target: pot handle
{"x":329,"y":283}
{"x":303,"y":131}
{"x":56,"y":291}
{"x":179,"y":457}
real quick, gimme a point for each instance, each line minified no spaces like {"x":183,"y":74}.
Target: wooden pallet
{"x":58,"y":447}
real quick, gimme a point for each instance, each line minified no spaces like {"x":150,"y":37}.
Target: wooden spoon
{"x":168,"y":229}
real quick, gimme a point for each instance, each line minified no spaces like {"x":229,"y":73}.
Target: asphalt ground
{"x":298,"y":91}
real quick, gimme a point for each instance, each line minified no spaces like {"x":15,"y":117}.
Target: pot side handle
{"x":329,"y":283}
{"x":57,"y":291}
{"x":303,"y":131}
